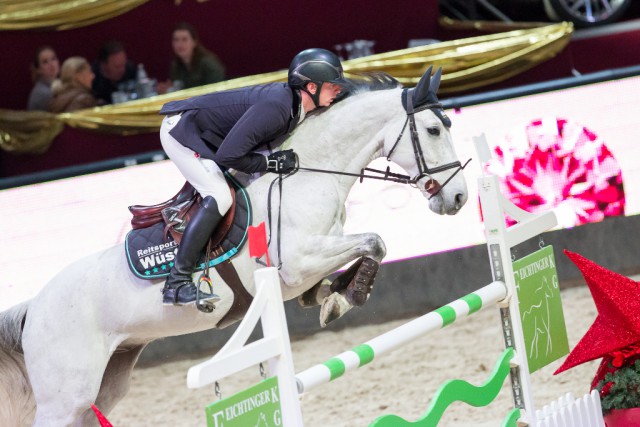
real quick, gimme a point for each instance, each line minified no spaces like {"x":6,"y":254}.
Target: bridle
{"x":432,"y":186}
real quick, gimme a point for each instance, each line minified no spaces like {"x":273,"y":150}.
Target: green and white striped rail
{"x":365,"y":353}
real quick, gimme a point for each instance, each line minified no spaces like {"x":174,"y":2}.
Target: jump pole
{"x":365,"y":353}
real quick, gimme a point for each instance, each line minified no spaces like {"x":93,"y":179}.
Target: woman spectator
{"x":193,"y":65}
{"x":44,"y":70}
{"x":73,"y":90}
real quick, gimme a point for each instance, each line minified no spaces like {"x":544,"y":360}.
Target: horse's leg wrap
{"x":316,"y":294}
{"x":360,"y":287}
{"x":341,"y":282}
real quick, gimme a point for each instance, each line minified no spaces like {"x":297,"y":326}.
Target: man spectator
{"x":112,"y":68}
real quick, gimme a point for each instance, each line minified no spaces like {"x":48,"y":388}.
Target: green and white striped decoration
{"x":365,"y":353}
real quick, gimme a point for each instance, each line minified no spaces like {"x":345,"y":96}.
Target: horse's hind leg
{"x":65,"y":374}
{"x":117,"y":378}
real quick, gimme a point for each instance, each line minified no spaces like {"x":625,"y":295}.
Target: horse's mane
{"x":362,"y":83}
{"x":367,"y":82}
{"x":359,"y":84}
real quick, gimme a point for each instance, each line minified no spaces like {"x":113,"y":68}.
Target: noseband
{"x":432,"y":186}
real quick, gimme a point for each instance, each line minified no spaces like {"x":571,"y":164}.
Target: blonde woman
{"x":44,"y":70}
{"x":73,"y":90}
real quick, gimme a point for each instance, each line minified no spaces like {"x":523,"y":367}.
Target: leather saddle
{"x":176,"y":213}
{"x":225,"y":241}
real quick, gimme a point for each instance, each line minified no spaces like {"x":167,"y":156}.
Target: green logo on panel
{"x":545,"y":333}
{"x":257,"y":406}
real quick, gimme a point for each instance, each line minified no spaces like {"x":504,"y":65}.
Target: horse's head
{"x":425,"y":150}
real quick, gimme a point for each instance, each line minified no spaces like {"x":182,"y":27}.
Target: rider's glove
{"x":282,"y":162}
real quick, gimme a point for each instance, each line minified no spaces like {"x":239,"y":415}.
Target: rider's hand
{"x":282,"y":162}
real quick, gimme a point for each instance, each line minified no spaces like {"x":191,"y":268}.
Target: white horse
{"x":76,"y":342}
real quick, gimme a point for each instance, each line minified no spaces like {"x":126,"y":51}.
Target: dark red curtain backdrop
{"x":252,"y":37}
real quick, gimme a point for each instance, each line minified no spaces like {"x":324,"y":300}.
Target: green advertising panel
{"x":257,"y":406}
{"x":545,"y":334}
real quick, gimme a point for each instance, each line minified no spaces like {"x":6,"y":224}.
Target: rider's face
{"x":328,"y":93}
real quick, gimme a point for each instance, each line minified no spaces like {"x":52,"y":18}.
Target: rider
{"x":208,"y":134}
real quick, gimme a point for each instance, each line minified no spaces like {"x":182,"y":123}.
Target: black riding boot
{"x":179,"y":288}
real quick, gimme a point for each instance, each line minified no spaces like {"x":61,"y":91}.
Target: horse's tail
{"x":11,"y":323}
{"x":18,"y":405}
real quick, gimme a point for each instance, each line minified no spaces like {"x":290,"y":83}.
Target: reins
{"x":387,"y":175}
{"x":278,"y":179}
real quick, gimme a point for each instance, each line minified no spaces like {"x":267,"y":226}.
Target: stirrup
{"x":190,"y":295}
{"x":206,"y":304}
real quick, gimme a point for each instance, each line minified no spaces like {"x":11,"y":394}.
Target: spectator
{"x":193,"y":65}
{"x":73,"y":90}
{"x":111,"y":69}
{"x":45,"y":68}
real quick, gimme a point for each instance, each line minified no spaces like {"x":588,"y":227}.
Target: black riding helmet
{"x":318,"y":66}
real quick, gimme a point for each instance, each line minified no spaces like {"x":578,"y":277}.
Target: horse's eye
{"x":434,"y":130}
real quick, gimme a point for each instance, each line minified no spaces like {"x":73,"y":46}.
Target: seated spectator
{"x":73,"y":90}
{"x":193,"y":65}
{"x":111,"y":69}
{"x":45,"y":68}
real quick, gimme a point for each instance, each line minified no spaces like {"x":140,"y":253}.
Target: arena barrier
{"x":275,"y":346}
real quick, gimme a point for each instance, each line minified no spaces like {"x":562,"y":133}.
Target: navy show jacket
{"x":228,"y":126}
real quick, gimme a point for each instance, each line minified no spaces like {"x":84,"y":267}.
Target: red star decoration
{"x":617,"y":299}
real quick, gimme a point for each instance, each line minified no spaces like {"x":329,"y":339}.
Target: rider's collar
{"x":296,"y":103}
{"x":303,"y":113}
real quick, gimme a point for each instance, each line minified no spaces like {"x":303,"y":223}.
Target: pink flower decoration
{"x":557,"y":164}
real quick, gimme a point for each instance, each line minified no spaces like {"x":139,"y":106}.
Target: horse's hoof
{"x":333,"y":307}
{"x":316,"y":294}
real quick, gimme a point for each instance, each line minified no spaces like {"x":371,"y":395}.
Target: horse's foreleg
{"x":324,"y":255}
{"x":355,"y":283}
{"x":314,"y":296}
{"x":318,"y":256}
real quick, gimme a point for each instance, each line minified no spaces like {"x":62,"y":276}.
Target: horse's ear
{"x":434,"y":85}
{"x":421,"y":90}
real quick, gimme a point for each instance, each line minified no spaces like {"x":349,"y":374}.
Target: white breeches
{"x":204,"y":174}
